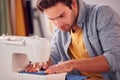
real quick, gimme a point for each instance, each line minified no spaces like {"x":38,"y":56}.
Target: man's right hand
{"x":37,"y":66}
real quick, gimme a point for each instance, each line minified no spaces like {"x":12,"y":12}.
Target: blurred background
{"x":21,"y":18}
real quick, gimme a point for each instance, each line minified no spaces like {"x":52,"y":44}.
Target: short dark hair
{"x":45,"y":4}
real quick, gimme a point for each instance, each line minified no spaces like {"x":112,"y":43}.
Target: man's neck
{"x":74,"y":28}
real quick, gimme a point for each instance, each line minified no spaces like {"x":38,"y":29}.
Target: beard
{"x":68,"y":27}
{"x":73,"y":24}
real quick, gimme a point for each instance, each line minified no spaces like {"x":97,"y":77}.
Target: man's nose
{"x":58,"y":23}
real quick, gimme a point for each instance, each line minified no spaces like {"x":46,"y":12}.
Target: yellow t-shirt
{"x":77,"y":50}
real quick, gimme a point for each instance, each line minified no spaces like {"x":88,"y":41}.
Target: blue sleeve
{"x":109,"y":33}
{"x":54,"y":54}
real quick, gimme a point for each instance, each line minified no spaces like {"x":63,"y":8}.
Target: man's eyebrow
{"x":57,"y":17}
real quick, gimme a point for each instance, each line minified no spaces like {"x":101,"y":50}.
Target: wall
{"x":115,"y":4}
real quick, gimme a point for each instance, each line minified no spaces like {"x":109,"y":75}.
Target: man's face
{"x":62,"y":16}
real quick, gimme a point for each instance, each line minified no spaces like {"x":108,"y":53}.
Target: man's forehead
{"x":55,"y":11}
{"x":56,"y":17}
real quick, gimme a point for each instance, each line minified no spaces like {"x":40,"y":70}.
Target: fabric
{"x":28,"y":16}
{"x":1,"y":16}
{"x":5,"y":27}
{"x":77,"y":48}
{"x":12,"y":16}
{"x":78,"y":51}
{"x":20,"y":22}
{"x":8,"y":24}
{"x":37,"y":73}
{"x":101,"y":30}
{"x":68,"y":76}
{"x":75,"y":77}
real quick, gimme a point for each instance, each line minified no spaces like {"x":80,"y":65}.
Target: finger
{"x":36,"y":67}
{"x":45,"y":65}
{"x":39,"y":66}
{"x":31,"y":68}
{"x":28,"y":67}
{"x":51,"y":70}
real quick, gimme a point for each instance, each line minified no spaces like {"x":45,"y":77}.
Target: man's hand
{"x":35,"y":67}
{"x":66,"y":66}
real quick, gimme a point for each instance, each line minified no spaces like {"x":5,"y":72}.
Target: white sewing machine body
{"x":15,"y":54}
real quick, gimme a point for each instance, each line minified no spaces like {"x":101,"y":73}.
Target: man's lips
{"x":62,"y":27}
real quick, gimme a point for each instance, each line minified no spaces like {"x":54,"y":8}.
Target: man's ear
{"x":74,"y":4}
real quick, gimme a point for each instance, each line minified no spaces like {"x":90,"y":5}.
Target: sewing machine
{"x":17,"y":51}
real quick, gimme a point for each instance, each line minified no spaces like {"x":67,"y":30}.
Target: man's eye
{"x":61,"y":16}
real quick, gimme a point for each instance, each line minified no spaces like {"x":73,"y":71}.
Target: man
{"x":86,"y":40}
